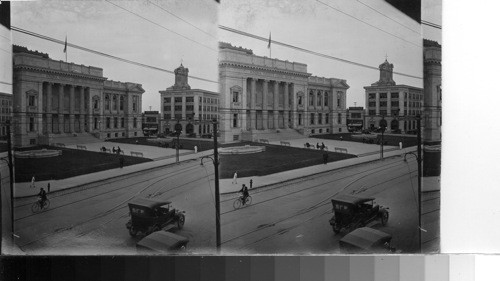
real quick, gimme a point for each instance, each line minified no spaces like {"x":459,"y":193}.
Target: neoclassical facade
{"x":432,"y":114}
{"x":260,"y":97}
{"x":193,"y":109}
{"x":396,"y":104}
{"x":55,"y":99}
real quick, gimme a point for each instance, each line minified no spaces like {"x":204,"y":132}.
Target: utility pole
{"x":419,"y":163}
{"x":11,"y":175}
{"x":217,"y":194}
{"x":383,"y":125}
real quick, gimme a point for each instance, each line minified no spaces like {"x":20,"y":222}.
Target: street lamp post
{"x":383,"y":125}
{"x":215,"y":161}
{"x":178,"y":131}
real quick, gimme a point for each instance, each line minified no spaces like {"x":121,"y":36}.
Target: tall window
{"x":134,"y":103}
{"x":31,"y":100}
{"x":115,"y":99}
{"x":339,"y":97}
{"x":312,"y":118}
{"x":96,"y":103}
{"x":339,"y":118}
{"x":326,"y":99}
{"x":318,"y":103}
{"x":31,"y":127}
{"x":311,"y":98}
{"x":123,"y":122}
{"x":108,"y":122}
{"x":135,"y":122}
{"x":115,"y":122}
{"x":320,"y":116}
{"x":326,"y":118}
{"x":235,"y":120}
{"x":106,"y":102}
{"x":166,"y":100}
{"x":122,"y":102}
{"x":300,"y":119}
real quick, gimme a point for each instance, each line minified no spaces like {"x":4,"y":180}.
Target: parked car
{"x":366,"y":240}
{"x":149,"y":215}
{"x":162,"y":242}
{"x":351,"y":212}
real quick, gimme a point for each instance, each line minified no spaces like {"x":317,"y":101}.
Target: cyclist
{"x":244,"y":191}
{"x":42,"y":195}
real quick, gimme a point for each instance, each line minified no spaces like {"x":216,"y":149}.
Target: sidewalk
{"x":227,"y":187}
{"x":24,"y":190}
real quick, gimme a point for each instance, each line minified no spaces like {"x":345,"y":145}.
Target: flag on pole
{"x":269,"y":44}
{"x":66,"y":43}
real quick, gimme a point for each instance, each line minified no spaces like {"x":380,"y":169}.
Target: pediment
{"x":32,"y":92}
{"x":341,"y":84}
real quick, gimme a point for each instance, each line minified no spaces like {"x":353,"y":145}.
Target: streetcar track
{"x":117,"y":207}
{"x":310,"y":208}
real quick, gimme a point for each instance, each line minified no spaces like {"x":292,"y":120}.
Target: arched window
{"x":95,"y":102}
{"x":311,"y":98}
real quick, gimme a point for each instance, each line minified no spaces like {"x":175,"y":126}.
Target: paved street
{"x":92,"y":220}
{"x":282,"y":219}
{"x":294,"y":219}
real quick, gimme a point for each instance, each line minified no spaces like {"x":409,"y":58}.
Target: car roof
{"x":365,"y":237}
{"x":162,"y":241}
{"x":351,"y":199}
{"x":148,"y":203}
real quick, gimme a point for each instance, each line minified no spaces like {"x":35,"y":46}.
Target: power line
{"x":165,"y":10}
{"x":386,"y":32}
{"x":20,"y":30}
{"x":265,"y":39}
{"x":430,"y":24}
{"x":159,"y":25}
{"x":370,"y":7}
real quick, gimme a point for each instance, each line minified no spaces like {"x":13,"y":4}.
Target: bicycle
{"x":37,"y":207}
{"x":238,"y":203}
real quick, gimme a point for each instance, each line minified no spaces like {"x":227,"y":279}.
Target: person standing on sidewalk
{"x":235,"y":178}
{"x":48,"y":187}
{"x":251,"y":183}
{"x":195,"y":149}
{"x":32,"y":185}
{"x":325,"y":157}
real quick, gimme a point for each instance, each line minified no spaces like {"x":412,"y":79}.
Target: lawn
{"x":186,"y":143}
{"x":275,"y":159}
{"x":71,"y":163}
{"x":388,"y":139}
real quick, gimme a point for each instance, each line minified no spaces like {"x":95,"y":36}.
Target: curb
{"x":110,"y":178}
{"x":318,"y":173}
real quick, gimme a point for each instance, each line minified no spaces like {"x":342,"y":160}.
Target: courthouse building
{"x":54,"y":100}
{"x":391,"y":102}
{"x":265,"y":98}
{"x":5,"y":113}
{"x":193,"y":109}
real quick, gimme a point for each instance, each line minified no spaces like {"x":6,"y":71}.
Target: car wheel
{"x":180,"y":221}
{"x":132,"y":231}
{"x":336,"y":229}
{"x":384,"y":218}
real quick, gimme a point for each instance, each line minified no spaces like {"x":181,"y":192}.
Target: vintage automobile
{"x":149,"y":215}
{"x":366,"y":240}
{"x":162,"y":242}
{"x":351,"y":212}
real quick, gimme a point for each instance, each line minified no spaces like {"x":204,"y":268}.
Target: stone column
{"x":264,"y":104}
{"x":377,"y":103}
{"x":82,"y":109}
{"x":60,"y":110}
{"x":49,"y":107}
{"x":253,"y":113}
{"x":286,"y":107}
{"x":90,"y":117}
{"x":276,"y":105}
{"x":184,"y":108}
{"x":72,"y":108}
{"x":389,"y":113}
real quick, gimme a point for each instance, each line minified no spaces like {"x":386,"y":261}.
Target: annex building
{"x":193,"y":109}
{"x":265,"y":98}
{"x":391,"y":102}
{"x":54,"y":100}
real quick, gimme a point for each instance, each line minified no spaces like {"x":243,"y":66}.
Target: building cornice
{"x":65,"y":73}
{"x":264,"y":68}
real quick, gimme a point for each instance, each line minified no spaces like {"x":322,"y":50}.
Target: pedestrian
{"x":323,"y":146}
{"x":400,"y":145}
{"x":114,"y":150}
{"x":341,"y":138}
{"x":325,"y":158}
{"x":251,"y":183}
{"x":235,"y":178}
{"x":118,"y":150}
{"x":195,"y":149}
{"x":317,"y":145}
{"x":48,"y":187}
{"x":121,"y":161}
{"x":32,"y":185}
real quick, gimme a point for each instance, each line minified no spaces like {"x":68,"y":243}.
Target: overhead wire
{"x":430,"y":24}
{"x":367,"y":23}
{"x":44,"y":37}
{"x":161,"y":26}
{"x":384,"y":15}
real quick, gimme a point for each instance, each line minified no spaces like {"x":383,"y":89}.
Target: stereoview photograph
{"x":240,"y":127}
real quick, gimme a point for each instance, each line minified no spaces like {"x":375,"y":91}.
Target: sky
{"x":103,"y":27}
{"x":312,"y":25}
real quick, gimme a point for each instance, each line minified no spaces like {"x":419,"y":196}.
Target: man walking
{"x":32,"y":185}
{"x":235,"y":178}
